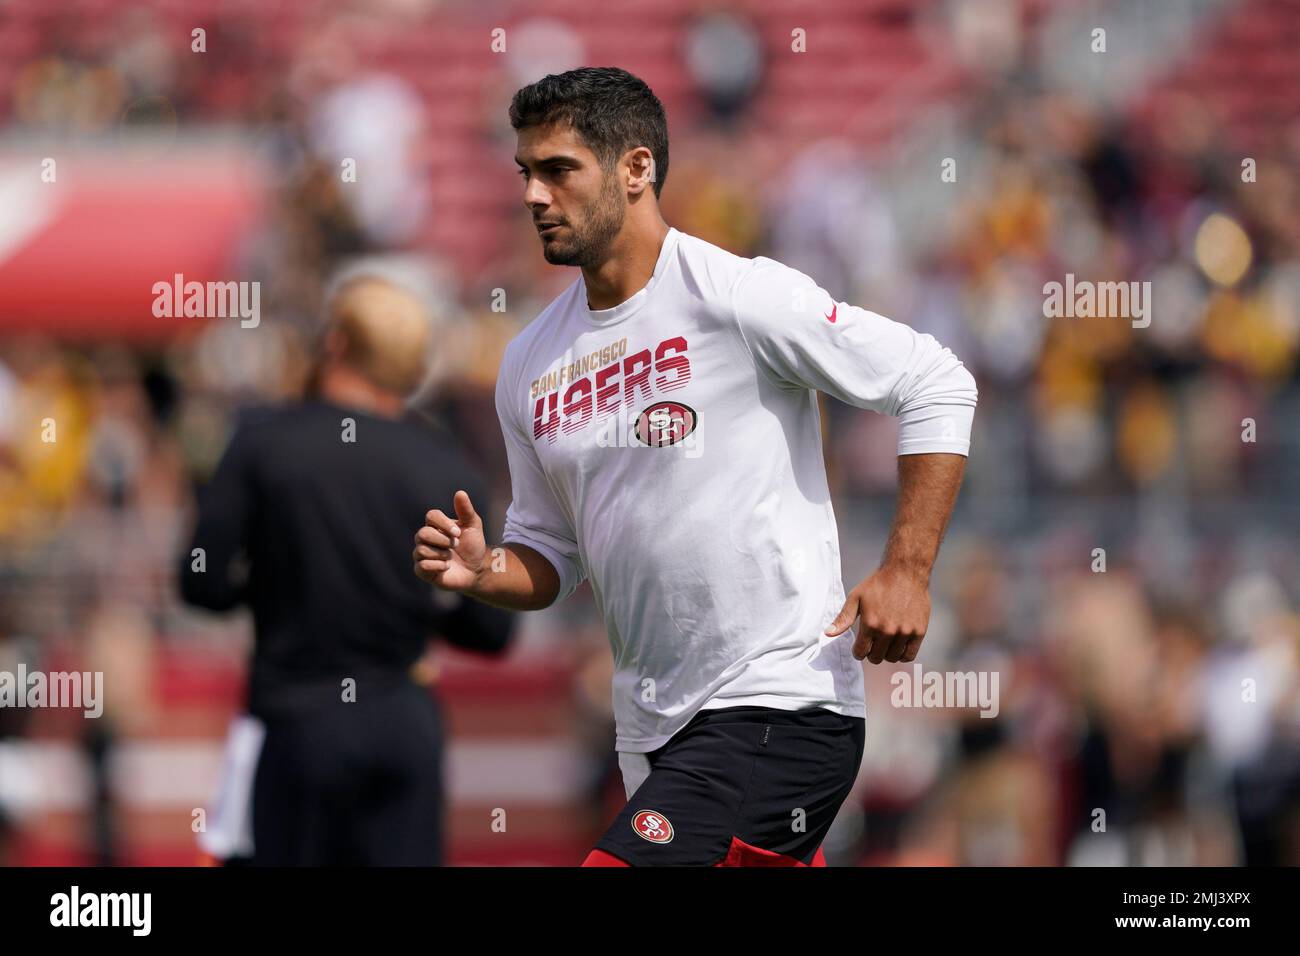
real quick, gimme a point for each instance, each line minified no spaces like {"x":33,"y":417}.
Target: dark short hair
{"x":611,"y":110}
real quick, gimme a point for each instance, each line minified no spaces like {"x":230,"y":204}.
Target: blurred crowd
{"x":1124,"y":554}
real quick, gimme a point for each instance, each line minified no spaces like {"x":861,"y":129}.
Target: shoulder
{"x":746,"y":284}
{"x":254,"y":432}
{"x":531,"y":340}
{"x":711,"y":269}
{"x":430,"y":436}
{"x":257,"y":422}
{"x":528,"y":353}
{"x":767,"y":281}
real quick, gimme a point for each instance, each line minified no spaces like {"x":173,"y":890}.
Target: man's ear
{"x":643,"y":169}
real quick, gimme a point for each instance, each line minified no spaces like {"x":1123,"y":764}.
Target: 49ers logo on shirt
{"x":653,"y":826}
{"x":665,"y":423}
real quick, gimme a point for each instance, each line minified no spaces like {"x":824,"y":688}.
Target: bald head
{"x":384,"y":330}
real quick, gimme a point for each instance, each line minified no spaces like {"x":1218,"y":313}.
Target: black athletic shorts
{"x":741,"y":786}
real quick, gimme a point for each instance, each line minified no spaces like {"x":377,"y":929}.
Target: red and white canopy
{"x":79,"y":256}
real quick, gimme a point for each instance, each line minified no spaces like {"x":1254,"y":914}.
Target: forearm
{"x":212,"y":572}
{"x":214,"y":586}
{"x":927,"y":491}
{"x":517,"y":578}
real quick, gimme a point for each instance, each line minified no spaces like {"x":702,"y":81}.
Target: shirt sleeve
{"x":535,"y":517}
{"x":225,"y":508}
{"x":802,"y":338}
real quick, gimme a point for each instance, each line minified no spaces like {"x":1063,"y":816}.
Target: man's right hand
{"x":450,"y":552}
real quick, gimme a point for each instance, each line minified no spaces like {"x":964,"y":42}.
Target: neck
{"x":341,"y":385}
{"x":629,"y":265}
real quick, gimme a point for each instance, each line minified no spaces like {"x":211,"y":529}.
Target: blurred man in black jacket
{"x":307,"y":521}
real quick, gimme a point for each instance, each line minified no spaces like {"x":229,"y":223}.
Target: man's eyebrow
{"x":550,"y":160}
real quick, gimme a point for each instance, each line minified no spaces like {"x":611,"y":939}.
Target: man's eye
{"x":523,"y":172}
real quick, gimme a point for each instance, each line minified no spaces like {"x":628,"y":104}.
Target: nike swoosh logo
{"x":831,"y":317}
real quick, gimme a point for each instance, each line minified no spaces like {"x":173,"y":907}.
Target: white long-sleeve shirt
{"x":669,"y":449}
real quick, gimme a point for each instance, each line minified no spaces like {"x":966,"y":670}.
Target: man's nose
{"x":535,"y":194}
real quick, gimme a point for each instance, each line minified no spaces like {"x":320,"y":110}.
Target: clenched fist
{"x":893,"y":608}
{"x":450,"y":552}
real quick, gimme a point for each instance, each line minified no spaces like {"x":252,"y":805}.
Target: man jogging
{"x":663,"y":439}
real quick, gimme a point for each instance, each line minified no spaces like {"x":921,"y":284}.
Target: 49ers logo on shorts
{"x":653,"y":826}
{"x":665,"y":423}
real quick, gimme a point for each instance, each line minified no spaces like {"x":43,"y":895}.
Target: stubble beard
{"x":590,"y":246}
